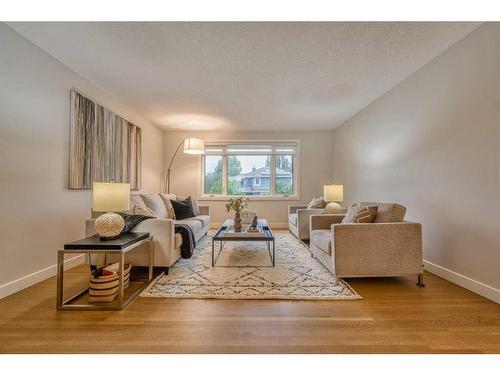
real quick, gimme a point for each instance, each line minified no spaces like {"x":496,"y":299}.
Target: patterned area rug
{"x":244,"y":271}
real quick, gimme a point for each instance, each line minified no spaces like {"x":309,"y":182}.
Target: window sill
{"x":252,"y":198}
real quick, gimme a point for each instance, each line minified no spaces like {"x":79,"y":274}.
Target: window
{"x":213,"y":174}
{"x":258,"y":169}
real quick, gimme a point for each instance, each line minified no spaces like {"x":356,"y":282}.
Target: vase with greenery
{"x":237,"y":205}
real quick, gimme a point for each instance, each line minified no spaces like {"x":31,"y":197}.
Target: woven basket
{"x":106,"y":288}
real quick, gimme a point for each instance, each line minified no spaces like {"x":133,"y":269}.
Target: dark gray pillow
{"x":183,"y":209}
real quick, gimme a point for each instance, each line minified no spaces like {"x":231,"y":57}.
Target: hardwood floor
{"x":395,"y":316}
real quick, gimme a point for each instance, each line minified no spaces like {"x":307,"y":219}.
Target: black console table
{"x":93,"y":245}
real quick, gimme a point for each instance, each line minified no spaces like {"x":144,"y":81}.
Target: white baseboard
{"x":464,"y":281}
{"x":31,"y":279}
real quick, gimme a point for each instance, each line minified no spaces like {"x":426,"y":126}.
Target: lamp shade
{"x":194,"y":146}
{"x":110,"y":196}
{"x":333,"y":193}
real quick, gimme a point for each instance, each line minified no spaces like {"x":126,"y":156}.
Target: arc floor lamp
{"x":193,"y":146}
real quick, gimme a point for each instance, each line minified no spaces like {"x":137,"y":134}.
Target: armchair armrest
{"x":325,"y":221}
{"x":293,"y":209}
{"x":204,"y":210}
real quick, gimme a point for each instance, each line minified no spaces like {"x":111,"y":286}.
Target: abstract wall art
{"x":103,"y":146}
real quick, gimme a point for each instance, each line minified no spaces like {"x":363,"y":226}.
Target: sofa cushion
{"x":322,"y":238}
{"x":194,"y":224}
{"x":155,"y":203}
{"x":387,"y":212}
{"x":166,"y":200}
{"x":203,"y":219}
{"x":292,"y":218}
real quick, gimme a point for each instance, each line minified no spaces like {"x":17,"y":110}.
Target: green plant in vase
{"x":237,"y":205}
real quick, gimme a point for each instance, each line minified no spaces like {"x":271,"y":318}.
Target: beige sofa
{"x":298,"y":220}
{"x":389,"y":246}
{"x":166,"y":242}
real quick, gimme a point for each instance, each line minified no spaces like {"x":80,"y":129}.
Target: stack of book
{"x":104,"y":283}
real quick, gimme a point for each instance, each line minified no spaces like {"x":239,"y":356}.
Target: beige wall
{"x":315,"y":170}
{"x":38,"y":213}
{"x":433,"y":143}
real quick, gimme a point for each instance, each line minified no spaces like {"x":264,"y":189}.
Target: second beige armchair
{"x":298,"y":220}
{"x":381,"y":248}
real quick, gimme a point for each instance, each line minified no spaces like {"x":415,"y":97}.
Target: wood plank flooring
{"x":395,"y":316}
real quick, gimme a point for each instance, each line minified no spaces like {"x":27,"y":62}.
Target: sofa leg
{"x":420,"y":280}
{"x":166,"y":270}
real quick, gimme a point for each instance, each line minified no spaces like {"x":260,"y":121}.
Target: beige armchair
{"x":298,"y":220}
{"x":368,"y":249}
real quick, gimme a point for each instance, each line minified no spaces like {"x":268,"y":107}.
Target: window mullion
{"x":224,"y":174}
{"x":273,"y":174}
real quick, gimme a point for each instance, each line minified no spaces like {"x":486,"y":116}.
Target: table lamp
{"x":333,"y":194}
{"x":108,"y":197}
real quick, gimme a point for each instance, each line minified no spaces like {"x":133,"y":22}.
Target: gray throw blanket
{"x":188,"y":240}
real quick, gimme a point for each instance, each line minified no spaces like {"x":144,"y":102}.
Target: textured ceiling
{"x":245,"y":76}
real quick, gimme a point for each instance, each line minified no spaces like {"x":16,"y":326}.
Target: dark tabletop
{"x":95,"y":243}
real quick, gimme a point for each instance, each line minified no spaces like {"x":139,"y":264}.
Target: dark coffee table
{"x":226,"y":233}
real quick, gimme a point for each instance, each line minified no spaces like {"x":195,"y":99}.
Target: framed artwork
{"x":103,"y":146}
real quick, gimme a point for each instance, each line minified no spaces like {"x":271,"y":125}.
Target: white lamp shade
{"x":110,"y":196}
{"x":333,"y":193}
{"x":194,"y":146}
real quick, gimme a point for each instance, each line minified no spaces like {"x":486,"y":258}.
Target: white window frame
{"x":255,"y":181}
{"x":257,"y":142}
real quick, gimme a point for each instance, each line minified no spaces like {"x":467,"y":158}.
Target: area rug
{"x":243,"y":271}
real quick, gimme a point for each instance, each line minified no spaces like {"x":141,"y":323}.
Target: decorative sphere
{"x":109,"y":225}
{"x":333,"y":208}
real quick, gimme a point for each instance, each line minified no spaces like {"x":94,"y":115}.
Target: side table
{"x":93,"y":245}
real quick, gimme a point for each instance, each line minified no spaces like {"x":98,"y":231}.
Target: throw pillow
{"x":317,"y":203}
{"x":135,"y":200}
{"x":170,"y":210}
{"x":356,"y":214}
{"x":183,"y":209}
{"x":145,"y":211}
{"x":387,"y":212}
{"x":195,"y":206}
{"x":155,"y":203}
{"x":350,"y":214}
{"x":366,"y":214}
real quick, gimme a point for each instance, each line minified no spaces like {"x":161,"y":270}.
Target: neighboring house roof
{"x":265,"y":172}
